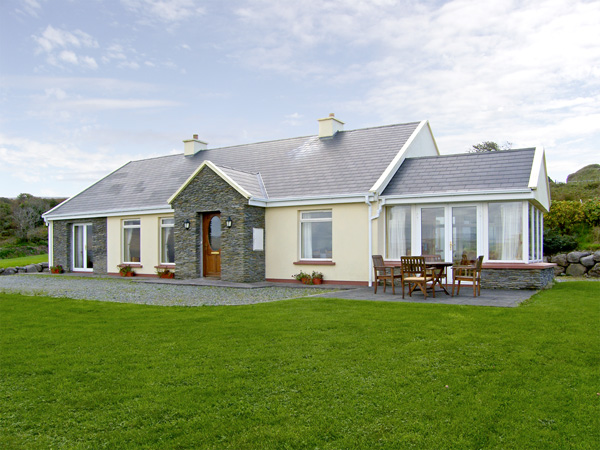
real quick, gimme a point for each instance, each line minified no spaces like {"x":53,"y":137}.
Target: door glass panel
{"x":78,"y":247}
{"x":214,"y":233}
{"x":464,"y":233}
{"x":432,"y":232}
{"x":88,"y":247}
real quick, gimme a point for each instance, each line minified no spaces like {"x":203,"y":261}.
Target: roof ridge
{"x":455,"y":155}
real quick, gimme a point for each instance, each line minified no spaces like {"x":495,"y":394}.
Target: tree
{"x":490,"y":146}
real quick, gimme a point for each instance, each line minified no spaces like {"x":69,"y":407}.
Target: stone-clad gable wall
{"x":62,"y":238}
{"x":208,"y":192}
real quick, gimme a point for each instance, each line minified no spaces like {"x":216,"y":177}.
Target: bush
{"x":557,"y":243}
{"x":591,"y":212}
{"x":564,"y":216}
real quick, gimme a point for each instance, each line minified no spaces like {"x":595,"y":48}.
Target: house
{"x":325,"y":202}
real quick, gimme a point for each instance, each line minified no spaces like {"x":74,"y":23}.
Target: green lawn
{"x":23,"y":261}
{"x":327,"y":374}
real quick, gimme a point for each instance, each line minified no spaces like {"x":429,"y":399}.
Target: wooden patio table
{"x":439,"y":267}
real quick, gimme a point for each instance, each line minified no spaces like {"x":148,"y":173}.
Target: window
{"x":398,"y":231}
{"x":315,"y":235}
{"x":535,"y":234}
{"x":131,"y":241}
{"x":505,"y":231}
{"x":167,"y":241}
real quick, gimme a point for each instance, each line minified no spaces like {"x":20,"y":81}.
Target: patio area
{"x":505,"y":298}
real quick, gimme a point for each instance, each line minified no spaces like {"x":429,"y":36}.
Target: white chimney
{"x":329,"y":126}
{"x":193,"y":146}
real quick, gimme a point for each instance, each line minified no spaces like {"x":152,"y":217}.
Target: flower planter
{"x":55,"y":271}
{"x":306,"y":280}
{"x":167,"y":275}
{"x":317,"y":280}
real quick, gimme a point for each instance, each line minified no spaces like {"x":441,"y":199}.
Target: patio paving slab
{"x":489,"y":297}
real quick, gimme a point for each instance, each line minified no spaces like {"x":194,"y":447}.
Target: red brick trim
{"x":145,"y":275}
{"x":330,"y":282}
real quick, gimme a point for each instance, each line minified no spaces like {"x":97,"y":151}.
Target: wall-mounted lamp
{"x":228,"y":222}
{"x":186,"y":224}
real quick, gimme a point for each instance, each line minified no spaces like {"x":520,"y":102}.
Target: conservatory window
{"x":505,"y":231}
{"x":398,"y":231}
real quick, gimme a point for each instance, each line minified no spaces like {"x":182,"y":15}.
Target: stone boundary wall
{"x":31,"y":268}
{"x":517,"y":278}
{"x":577,"y":264}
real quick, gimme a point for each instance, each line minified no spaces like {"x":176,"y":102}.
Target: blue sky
{"x":86,"y":86}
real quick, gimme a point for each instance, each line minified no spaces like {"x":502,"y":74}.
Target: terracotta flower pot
{"x":305,"y":280}
{"x":317,"y":280}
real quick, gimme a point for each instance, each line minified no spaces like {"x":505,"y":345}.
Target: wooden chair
{"x":384,"y":273}
{"x":415,"y":273}
{"x":468,"y":273}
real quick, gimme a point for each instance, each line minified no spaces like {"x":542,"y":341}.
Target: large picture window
{"x":167,"y":241}
{"x":398,"y":231}
{"x":505,"y":231}
{"x":131,"y":241}
{"x":315,"y":235}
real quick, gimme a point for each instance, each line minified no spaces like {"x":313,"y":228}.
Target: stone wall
{"x":62,"y":238}
{"x":208,"y":192}
{"x":577,"y":264}
{"x":517,"y":278}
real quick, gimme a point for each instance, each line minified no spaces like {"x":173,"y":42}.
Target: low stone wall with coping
{"x":517,"y":276}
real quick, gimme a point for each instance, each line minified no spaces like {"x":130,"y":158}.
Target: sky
{"x":86,"y":86}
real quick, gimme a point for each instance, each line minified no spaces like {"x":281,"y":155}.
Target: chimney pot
{"x":331,"y":114}
{"x":195,"y":136}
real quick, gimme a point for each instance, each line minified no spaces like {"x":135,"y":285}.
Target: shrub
{"x":564,"y":216}
{"x":558,"y":243}
{"x":591,"y":212}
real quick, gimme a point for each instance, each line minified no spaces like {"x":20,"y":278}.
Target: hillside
{"x":581,"y":185}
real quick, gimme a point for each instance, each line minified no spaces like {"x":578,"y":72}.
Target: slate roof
{"x":348,"y":163}
{"x":489,"y":171}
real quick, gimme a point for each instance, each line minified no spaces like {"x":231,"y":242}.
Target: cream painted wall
{"x":349,"y":241}
{"x":150,"y":242}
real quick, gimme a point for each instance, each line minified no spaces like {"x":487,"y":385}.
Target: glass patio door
{"x":464,"y":233}
{"x":433,"y":231}
{"x":83,"y":258}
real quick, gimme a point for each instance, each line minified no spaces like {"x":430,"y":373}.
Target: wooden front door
{"x":211,"y":244}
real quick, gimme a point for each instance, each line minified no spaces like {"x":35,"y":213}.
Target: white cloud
{"x":60,"y":45}
{"x":150,"y":12}
{"x":30,"y":7}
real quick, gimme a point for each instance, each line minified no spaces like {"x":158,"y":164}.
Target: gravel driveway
{"x":127,"y":291}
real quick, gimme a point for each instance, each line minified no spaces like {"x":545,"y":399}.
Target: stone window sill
{"x":314,"y":263}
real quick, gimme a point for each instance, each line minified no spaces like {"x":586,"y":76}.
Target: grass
{"x":23,"y":261}
{"x":324,"y":374}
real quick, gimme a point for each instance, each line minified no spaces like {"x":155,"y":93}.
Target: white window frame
{"x":124,"y":227}
{"x":317,"y":220}
{"x":160,"y":239}
{"x":85,"y":237}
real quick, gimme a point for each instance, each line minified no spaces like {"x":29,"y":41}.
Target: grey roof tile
{"x":509,"y":169}
{"x":349,"y":163}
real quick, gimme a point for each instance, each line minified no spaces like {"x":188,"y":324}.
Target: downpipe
{"x":371,"y":219}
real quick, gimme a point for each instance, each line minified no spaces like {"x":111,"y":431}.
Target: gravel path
{"x":126,"y":291}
